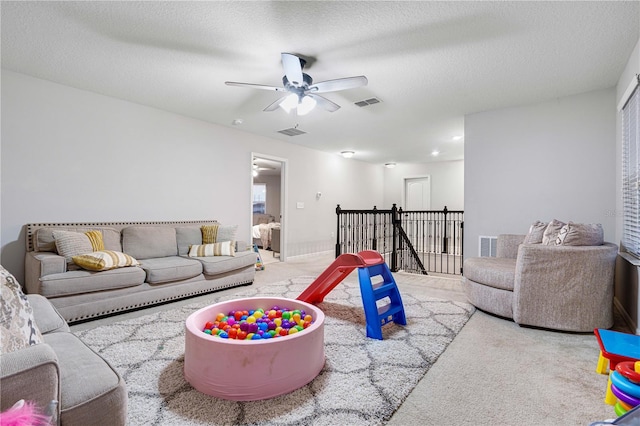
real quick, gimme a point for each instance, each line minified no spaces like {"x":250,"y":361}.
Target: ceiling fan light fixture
{"x":289,"y":103}
{"x":347,"y":154}
{"x":307,"y":103}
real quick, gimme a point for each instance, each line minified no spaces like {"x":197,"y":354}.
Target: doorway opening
{"x":268,"y":207}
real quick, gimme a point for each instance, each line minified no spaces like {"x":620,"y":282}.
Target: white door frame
{"x":284,"y":189}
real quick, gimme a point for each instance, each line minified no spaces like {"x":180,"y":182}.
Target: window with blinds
{"x":631,"y":174}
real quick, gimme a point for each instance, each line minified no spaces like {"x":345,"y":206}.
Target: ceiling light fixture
{"x":347,"y":154}
{"x":389,"y":165}
{"x":254,"y":173}
{"x":237,"y":122}
{"x":456,"y":138}
{"x":303,"y":105}
{"x":435,"y":153}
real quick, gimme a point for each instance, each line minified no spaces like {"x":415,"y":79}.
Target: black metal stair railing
{"x":412,"y":241}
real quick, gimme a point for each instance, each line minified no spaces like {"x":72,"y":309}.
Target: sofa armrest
{"x":38,"y":264}
{"x":48,"y":319}
{"x":508,"y":245}
{"x":565,"y":288}
{"x":30,"y":373}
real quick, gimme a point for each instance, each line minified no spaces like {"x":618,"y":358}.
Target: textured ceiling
{"x":430,"y":63}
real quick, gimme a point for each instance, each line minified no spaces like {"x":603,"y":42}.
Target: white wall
{"x":447,"y":184}
{"x":72,"y":155}
{"x":539,"y":162}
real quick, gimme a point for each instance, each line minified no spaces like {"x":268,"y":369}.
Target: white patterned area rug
{"x":363,"y":382}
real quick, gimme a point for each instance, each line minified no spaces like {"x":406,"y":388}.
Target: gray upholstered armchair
{"x":566,"y":288}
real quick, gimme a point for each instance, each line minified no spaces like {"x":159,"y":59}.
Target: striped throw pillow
{"x":104,"y":260}
{"x":71,"y":244}
{"x":225,"y":248}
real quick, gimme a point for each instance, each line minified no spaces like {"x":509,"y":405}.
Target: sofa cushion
{"x":148,"y":242}
{"x":93,"y":392}
{"x":221,"y":264}
{"x":104,"y":260}
{"x":581,"y":234}
{"x":536,"y":233}
{"x":187,"y":236}
{"x":226,"y":248}
{"x":551,"y":232}
{"x":82,"y":281}
{"x":47,"y":316}
{"x":69,"y":244}
{"x":218,"y":233}
{"x":497,"y":272}
{"x":18,"y":327}
{"x":168,"y":269}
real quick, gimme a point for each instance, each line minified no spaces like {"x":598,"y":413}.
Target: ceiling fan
{"x":303,"y":94}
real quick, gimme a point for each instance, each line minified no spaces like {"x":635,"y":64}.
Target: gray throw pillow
{"x":71,"y":244}
{"x":536,"y":233}
{"x":551,"y":232}
{"x":581,"y":234}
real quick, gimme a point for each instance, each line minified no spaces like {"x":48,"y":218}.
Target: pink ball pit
{"x":249,"y":370}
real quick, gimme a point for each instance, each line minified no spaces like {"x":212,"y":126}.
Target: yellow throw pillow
{"x":95,"y":238}
{"x":226,"y":248}
{"x":104,"y":260}
{"x":209,"y":233}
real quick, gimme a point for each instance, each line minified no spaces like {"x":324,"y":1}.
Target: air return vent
{"x":291,"y":132}
{"x":368,"y":102}
{"x":488,"y":246}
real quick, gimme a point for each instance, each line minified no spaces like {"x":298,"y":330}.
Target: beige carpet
{"x":493,"y":373}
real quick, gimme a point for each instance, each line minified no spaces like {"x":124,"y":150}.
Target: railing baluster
{"x":413,"y":241}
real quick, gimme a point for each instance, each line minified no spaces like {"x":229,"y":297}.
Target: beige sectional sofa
{"x":165,"y":270}
{"x":43,"y":362}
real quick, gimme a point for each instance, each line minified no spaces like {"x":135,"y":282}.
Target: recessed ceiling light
{"x":389,"y":165}
{"x":456,"y":138}
{"x":347,"y":154}
{"x":435,"y":153}
{"x":237,"y":122}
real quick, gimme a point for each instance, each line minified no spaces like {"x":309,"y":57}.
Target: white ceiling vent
{"x":368,"y":102}
{"x":488,"y":246}
{"x":291,"y":132}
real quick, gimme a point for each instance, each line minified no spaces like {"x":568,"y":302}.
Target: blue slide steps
{"x":376,"y":316}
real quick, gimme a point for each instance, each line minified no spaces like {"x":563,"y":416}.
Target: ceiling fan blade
{"x":274,"y":106}
{"x":292,"y":69}
{"x":324,"y":103}
{"x":255,"y":86}
{"x":339,"y":84}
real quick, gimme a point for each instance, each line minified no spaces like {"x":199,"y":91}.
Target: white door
{"x":417,"y":193}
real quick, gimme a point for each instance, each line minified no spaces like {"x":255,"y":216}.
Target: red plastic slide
{"x":338,"y":271}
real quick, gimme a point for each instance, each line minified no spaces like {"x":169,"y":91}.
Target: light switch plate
{"x":300,"y":205}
